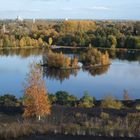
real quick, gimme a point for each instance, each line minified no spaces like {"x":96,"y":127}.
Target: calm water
{"x":124,"y":73}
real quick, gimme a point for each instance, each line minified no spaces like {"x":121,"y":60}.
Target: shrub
{"x":78,"y":115}
{"x":110,"y":102}
{"x":134,"y":116}
{"x":138,"y":107}
{"x":64,"y":98}
{"x":86,"y":101}
{"x":8,"y":100}
{"x":52,"y":98}
{"x":104,"y":115}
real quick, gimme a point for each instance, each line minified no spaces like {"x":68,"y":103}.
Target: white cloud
{"x":98,"y":8}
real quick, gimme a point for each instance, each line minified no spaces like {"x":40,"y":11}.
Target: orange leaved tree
{"x":36,"y":103}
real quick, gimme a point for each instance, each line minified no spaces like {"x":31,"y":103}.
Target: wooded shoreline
{"x":70,"y":48}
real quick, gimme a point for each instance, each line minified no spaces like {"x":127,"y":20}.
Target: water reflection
{"x":125,"y":55}
{"x":14,"y":66}
{"x":114,"y":54}
{"x":24,"y":53}
{"x":97,"y":71}
{"x":60,"y":75}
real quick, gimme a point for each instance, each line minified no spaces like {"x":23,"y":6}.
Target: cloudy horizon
{"x":71,"y":9}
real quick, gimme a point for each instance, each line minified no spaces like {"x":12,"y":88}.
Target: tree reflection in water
{"x":61,"y":75}
{"x":97,"y":70}
{"x":129,"y":55}
{"x":23,"y":53}
{"x":57,"y":74}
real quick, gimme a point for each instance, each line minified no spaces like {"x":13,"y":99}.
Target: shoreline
{"x":18,"y":48}
{"x":79,"y":67}
{"x":58,"y":47}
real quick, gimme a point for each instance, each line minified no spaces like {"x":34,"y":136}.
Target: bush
{"x":86,"y":101}
{"x":134,"y":116}
{"x":63,"y":98}
{"x":104,"y":115}
{"x":52,"y":98}
{"x":8,"y":100}
{"x":137,"y":106}
{"x":110,"y":102}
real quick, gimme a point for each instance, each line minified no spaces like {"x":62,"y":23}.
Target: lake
{"x":122,"y":74}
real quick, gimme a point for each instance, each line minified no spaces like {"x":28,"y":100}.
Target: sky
{"x":71,"y":9}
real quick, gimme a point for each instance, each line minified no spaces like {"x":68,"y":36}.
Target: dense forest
{"x":107,"y":34}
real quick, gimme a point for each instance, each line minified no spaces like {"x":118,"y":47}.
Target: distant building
{"x":66,"y":19}
{"x":19,"y":18}
{"x":34,"y":20}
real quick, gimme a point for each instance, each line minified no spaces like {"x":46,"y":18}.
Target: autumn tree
{"x":112,"y":41}
{"x":40,"y":42}
{"x":75,"y":62}
{"x":58,"y":60}
{"x":50,"y":41}
{"x":125,"y":95}
{"x":36,"y":103}
{"x":22,"y":42}
{"x":105,"y":59}
{"x":67,"y":62}
{"x":93,"y":57}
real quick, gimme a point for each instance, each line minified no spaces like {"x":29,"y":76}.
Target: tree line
{"x":108,"y":34}
{"x":63,"y":98}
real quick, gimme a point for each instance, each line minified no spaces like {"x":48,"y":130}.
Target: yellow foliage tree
{"x":75,"y":62}
{"x":67,"y":62}
{"x":22,"y":42}
{"x":125,"y":95}
{"x":105,"y":59}
{"x":58,"y":60}
{"x":40,"y":42}
{"x":50,"y":41}
{"x":72,"y":26}
{"x":35,"y":101}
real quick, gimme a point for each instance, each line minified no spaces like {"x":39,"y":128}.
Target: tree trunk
{"x":39,"y":118}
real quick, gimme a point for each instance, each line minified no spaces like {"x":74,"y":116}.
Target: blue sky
{"x":75,"y":9}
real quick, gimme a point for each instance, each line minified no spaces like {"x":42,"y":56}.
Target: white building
{"x":34,"y":20}
{"x":19,"y":18}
